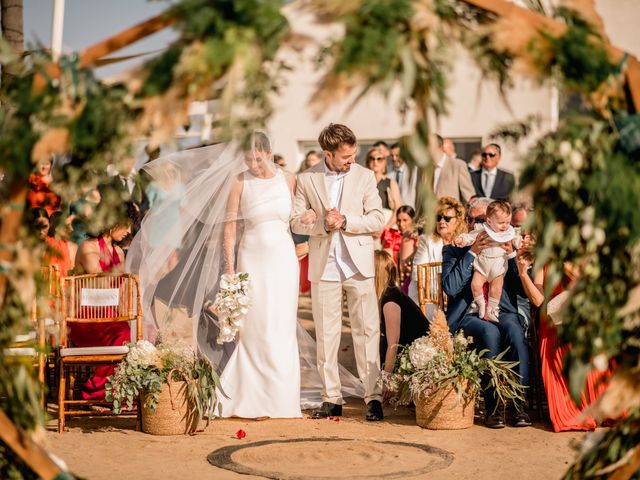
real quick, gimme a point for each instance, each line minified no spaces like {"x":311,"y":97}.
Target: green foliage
{"x":585,"y":192}
{"x":424,"y":368}
{"x":579,"y":54}
{"x":147,"y":368}
{"x":607,"y":448}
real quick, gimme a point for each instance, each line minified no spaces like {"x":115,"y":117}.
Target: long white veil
{"x":179,"y":255}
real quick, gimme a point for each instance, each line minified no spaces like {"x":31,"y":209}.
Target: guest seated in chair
{"x":457,"y":271}
{"x":97,"y":255}
{"x":401,"y":319}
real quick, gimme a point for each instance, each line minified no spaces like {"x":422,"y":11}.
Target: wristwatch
{"x":344,"y":224}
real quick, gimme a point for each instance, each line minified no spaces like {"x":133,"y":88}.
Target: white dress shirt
{"x":407,"y":184}
{"x":339,"y":266}
{"x":488,"y":180}
{"x":437,"y":171}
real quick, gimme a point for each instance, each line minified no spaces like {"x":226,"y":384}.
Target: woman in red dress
{"x":401,"y":242}
{"x":40,"y":195}
{"x":97,"y":255}
{"x":565,"y":414}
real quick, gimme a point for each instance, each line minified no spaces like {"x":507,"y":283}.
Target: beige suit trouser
{"x":326,"y":300}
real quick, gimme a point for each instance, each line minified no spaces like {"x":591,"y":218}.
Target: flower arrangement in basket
{"x":441,"y":375}
{"x":170,"y":377}
{"x":231,"y":304}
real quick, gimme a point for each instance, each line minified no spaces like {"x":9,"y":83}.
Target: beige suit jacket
{"x":455,"y":181}
{"x":360,"y":204}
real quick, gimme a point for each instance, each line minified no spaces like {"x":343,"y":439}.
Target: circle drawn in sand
{"x":329,"y":458}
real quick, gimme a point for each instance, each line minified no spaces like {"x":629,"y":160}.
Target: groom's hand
{"x":333,"y":220}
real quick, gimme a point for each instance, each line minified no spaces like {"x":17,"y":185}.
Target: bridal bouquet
{"x":231,"y":304}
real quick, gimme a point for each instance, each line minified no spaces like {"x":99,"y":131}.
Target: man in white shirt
{"x":406,"y":178}
{"x":348,"y":209}
{"x":491,"y":181}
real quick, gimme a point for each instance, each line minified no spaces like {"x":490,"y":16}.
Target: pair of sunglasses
{"x":485,"y":155}
{"x":377,"y":159}
{"x":471,"y":219}
{"x":446,"y":218}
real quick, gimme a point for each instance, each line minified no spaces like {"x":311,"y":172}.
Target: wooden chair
{"x":95,"y":299}
{"x":430,"y":286}
{"x":31,"y":347}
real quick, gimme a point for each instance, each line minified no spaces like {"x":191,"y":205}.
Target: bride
{"x":234,"y":217}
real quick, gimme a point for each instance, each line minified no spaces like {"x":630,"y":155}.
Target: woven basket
{"x":443,"y":410}
{"x":171,"y":414}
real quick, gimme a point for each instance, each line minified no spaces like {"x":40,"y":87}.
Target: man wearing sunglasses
{"x":491,"y":181}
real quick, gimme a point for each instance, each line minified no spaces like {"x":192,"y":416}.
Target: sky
{"x":89,"y":21}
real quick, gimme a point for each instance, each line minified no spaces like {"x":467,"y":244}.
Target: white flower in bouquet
{"x":231,"y":304}
{"x":421,"y":352}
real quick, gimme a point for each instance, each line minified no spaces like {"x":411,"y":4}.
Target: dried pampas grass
{"x":440,"y":335}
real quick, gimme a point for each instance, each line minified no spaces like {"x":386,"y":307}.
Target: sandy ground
{"x":107,"y":448}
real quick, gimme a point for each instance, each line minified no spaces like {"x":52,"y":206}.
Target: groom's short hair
{"x":333,"y":136}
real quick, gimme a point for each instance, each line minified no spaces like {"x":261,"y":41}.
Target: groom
{"x":348,"y":210}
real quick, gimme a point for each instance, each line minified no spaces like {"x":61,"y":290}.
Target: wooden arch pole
{"x":92,"y":54}
{"x":12,"y":212}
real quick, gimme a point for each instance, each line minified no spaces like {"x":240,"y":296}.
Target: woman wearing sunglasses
{"x":387,"y":187}
{"x":449,"y":223}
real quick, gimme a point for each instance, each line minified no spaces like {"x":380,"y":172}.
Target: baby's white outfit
{"x":493,"y":261}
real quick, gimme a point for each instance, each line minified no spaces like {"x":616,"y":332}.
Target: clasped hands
{"x":333,"y":219}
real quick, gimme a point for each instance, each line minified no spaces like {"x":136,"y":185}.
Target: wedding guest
{"x":406,"y":254}
{"x":383,"y":147}
{"x":476,"y":211}
{"x":406,"y":178}
{"x":401,"y":319}
{"x":393,"y":237}
{"x":450,"y":176}
{"x":38,"y":221}
{"x":564,"y":413}
{"x":475,"y":161}
{"x":62,"y":251}
{"x":449,"y":147}
{"x":311,"y":158}
{"x":279,"y":160}
{"x":40,"y":194}
{"x":491,"y":181}
{"x":457,"y":270}
{"x":449,"y":224}
{"x":387,"y":187}
{"x":520,"y":213}
{"x":98,"y":255}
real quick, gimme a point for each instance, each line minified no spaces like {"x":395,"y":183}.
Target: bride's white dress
{"x":262,"y":376}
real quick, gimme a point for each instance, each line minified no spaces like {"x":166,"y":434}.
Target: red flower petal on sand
{"x":337,"y":419}
{"x":240,"y":434}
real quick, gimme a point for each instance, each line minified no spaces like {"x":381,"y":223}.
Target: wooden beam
{"x":91,"y":55}
{"x":28,"y":450}
{"x":555,"y":28}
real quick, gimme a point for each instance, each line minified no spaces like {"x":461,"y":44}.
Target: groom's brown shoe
{"x":327,"y":410}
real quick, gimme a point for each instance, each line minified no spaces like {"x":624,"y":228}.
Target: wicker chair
{"x":96,"y":299}
{"x":430,"y":286}
{"x":32,"y":345}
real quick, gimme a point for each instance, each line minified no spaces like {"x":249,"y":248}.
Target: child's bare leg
{"x":477,"y":285}
{"x":495,"y":293}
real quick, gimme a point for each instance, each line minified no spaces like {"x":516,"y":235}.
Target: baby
{"x":491,"y":263}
